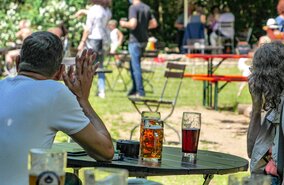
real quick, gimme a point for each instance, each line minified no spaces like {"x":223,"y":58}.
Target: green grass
{"x":116,"y":102}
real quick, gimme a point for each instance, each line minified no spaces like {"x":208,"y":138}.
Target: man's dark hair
{"x":42,"y":53}
{"x":267,"y":76}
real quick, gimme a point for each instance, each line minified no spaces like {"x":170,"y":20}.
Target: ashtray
{"x":129,"y":148}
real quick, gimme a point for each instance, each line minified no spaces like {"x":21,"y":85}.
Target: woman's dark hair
{"x":42,"y":52}
{"x":267,"y":76}
{"x":63,"y":28}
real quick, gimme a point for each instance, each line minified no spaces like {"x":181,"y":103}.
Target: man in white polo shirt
{"x":34,"y":106}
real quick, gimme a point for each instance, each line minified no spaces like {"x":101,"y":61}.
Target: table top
{"x":206,"y":77}
{"x":208,"y":162}
{"x":203,"y":47}
{"x":210,"y":56}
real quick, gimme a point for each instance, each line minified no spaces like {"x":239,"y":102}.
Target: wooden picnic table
{"x":210,"y":78}
{"x":208,"y":163}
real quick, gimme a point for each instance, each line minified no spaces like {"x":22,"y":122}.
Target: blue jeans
{"x":97,"y":46}
{"x":275,"y":180}
{"x":135,"y":50}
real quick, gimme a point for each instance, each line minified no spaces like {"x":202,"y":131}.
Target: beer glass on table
{"x":191,"y":124}
{"x":151,"y":137}
{"x":148,"y":115}
{"x":46,"y":166}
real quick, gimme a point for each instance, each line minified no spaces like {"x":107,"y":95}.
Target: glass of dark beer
{"x":46,"y":166}
{"x":191,"y":124}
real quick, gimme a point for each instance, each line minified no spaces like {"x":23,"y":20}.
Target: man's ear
{"x":18,"y":59}
{"x":58,"y":74}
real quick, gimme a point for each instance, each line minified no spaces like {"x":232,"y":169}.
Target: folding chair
{"x":148,"y":68}
{"x":173,"y":73}
{"x":120,"y":67}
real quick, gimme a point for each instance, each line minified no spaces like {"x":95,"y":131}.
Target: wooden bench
{"x":215,"y":79}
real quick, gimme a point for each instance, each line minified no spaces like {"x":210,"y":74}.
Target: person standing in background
{"x":24,"y":31}
{"x":179,"y":25}
{"x":116,"y":38}
{"x":94,"y":32}
{"x":212,"y":20}
{"x":280,"y":18}
{"x":140,"y":20}
{"x":227,"y":32}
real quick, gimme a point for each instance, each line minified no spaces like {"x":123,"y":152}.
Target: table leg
{"x":216,"y":96}
{"x":204,"y":92}
{"x":210,"y":97}
{"x":76,"y":171}
{"x":209,"y":90}
{"x":207,"y":178}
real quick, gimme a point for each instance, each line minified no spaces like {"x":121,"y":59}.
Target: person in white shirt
{"x":35,"y":107}
{"x":116,"y":38}
{"x":95,"y":32}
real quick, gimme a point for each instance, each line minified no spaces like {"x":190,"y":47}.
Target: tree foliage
{"x":248,"y":13}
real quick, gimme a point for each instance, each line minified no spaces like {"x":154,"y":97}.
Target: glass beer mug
{"x":46,"y":166}
{"x":151,"y":137}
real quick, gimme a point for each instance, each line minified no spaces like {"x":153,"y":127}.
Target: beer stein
{"x":151,"y":138}
{"x":149,"y":116}
{"x":47,"y":166}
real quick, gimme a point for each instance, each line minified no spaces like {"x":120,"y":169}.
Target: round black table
{"x":208,"y":163}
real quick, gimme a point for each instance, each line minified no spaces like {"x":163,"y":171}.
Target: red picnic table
{"x":210,"y":78}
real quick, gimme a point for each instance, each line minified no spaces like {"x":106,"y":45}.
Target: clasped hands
{"x":79,"y":80}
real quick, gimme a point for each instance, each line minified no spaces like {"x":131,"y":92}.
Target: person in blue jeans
{"x":140,"y":19}
{"x":95,"y":34}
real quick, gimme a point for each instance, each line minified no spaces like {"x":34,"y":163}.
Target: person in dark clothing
{"x":140,"y":20}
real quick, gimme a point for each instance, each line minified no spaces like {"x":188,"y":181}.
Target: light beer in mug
{"x":151,"y":116}
{"x":46,"y":178}
{"x":46,"y":167}
{"x":151,"y":141}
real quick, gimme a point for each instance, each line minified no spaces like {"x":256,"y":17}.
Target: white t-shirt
{"x":97,"y":19}
{"x":31,"y":113}
{"x":225,"y":17}
{"x":114,"y":40}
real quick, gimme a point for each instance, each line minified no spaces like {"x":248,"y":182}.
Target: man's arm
{"x":255,"y":121}
{"x":83,"y":39}
{"x":131,"y":24}
{"x":153,"y":24}
{"x":94,"y":138}
{"x":179,"y":26}
{"x":120,"y":37}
